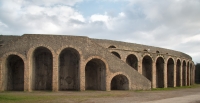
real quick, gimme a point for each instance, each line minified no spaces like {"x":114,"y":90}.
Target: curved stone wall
{"x":62,"y":63}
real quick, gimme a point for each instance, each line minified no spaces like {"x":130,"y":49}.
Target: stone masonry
{"x":63,"y":63}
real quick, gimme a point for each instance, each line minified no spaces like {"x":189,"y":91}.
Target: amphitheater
{"x":34,"y":62}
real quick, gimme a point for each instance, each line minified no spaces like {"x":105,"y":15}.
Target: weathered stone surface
{"x":57,"y":62}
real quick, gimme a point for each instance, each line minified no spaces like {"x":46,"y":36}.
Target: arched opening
{"x":68,"y":69}
{"x":112,"y":46}
{"x":188,"y":75}
{"x":184,"y":73}
{"x":132,"y":61}
{"x":119,"y":82}
{"x":116,"y":54}
{"x":160,"y":72}
{"x":145,"y":50}
{"x":170,"y":72}
{"x":42,"y":69}
{"x":95,"y":75}
{"x":15,"y":73}
{"x":147,"y":67}
{"x":178,"y":69}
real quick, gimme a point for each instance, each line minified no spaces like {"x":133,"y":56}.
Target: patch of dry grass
{"x":52,"y":97}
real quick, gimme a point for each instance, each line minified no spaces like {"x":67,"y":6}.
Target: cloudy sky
{"x":172,"y":24}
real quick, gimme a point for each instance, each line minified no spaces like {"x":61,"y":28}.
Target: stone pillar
{"x":140,"y":67}
{"x":192,"y":74}
{"x":1,"y":86}
{"x":26,"y":77}
{"x":82,"y":75}
{"x":181,"y":70}
{"x":193,"y":77}
{"x":189,"y":75}
{"x":174,"y":75}
{"x":186,"y":66}
{"x":165,"y":75}
{"x":123,"y":58}
{"x":153,"y":75}
{"x":55,"y":80}
{"x":108,"y":84}
{"x":28,"y":73}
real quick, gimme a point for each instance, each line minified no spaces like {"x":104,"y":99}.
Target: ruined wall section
{"x":85,"y":46}
{"x":140,"y":48}
{"x":117,"y":66}
{"x":17,"y":44}
{"x":4,"y":39}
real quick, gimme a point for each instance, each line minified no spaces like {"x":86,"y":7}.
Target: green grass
{"x":52,"y":97}
{"x":10,"y":98}
{"x":170,"y":88}
{"x":72,"y":96}
{"x":175,"y":88}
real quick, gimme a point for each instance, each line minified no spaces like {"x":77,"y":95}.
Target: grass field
{"x":70,"y":96}
{"x":52,"y":97}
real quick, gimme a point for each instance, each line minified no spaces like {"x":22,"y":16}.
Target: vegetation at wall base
{"x":174,"y":88}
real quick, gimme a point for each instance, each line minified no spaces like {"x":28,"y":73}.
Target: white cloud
{"x":168,"y":24}
{"x":195,"y":38}
{"x":98,"y":17}
{"x":122,"y":14}
{"x":52,"y":2}
{"x":25,"y":17}
{"x":2,"y":24}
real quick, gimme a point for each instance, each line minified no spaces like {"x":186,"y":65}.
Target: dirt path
{"x":191,"y":95}
{"x":184,"y":99}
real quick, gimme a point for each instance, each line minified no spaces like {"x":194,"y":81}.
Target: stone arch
{"x":31,"y":63}
{"x":42,"y":68}
{"x":178,"y":72}
{"x":19,"y":61}
{"x":119,"y":82}
{"x":147,"y":67}
{"x":170,"y":72}
{"x":116,"y":54}
{"x":132,"y":61}
{"x":184,"y":73}
{"x":15,"y":73}
{"x":112,"y":46}
{"x":95,"y":74}
{"x":160,"y":72}
{"x":69,"y":64}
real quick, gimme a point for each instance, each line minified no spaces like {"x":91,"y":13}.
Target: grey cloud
{"x":54,"y":2}
{"x":74,"y":21}
{"x":158,"y":23}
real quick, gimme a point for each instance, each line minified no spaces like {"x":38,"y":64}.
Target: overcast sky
{"x":172,"y":24}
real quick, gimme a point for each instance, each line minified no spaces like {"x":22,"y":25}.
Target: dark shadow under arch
{"x":95,"y":75}
{"x":170,"y":73}
{"x":160,"y":72}
{"x":132,"y":61}
{"x":69,"y":69}
{"x":178,"y":69}
{"x":112,"y":46}
{"x":119,"y":82}
{"x":42,"y":69}
{"x":184,"y":68}
{"x":191,"y":74}
{"x":188,"y":75}
{"x":15,"y":73}
{"x":116,"y":54}
{"x":147,"y":67}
